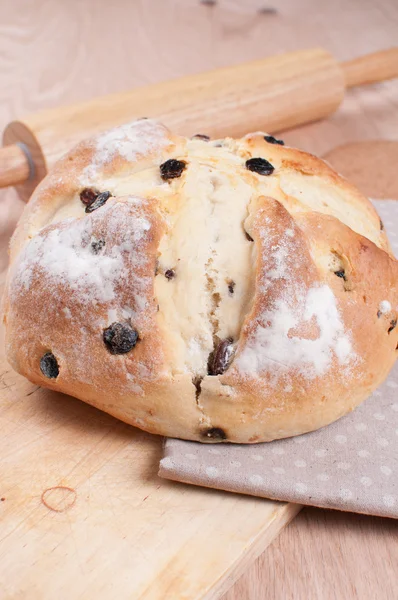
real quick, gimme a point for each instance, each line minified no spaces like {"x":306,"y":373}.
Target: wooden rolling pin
{"x":271,"y":94}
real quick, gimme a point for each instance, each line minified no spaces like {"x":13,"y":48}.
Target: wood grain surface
{"x":84,"y":514}
{"x":326,"y":555}
{"x":54,"y":52}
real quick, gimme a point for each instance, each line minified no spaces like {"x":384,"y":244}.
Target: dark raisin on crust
{"x":98,"y":202}
{"x":220,"y":358}
{"x":97,"y":246}
{"x":172,"y":168}
{"x":88,"y":195}
{"x":341,"y":274}
{"x":260,"y":166}
{"x":379,"y":313}
{"x":215,"y":433}
{"x":393,"y":324}
{"x":271,"y":140}
{"x":381,"y":225}
{"x":170,"y":274}
{"x":49,"y":365}
{"x":120,"y":338}
{"x":201,"y":136}
{"x":231,"y":287}
{"x":249,"y":237}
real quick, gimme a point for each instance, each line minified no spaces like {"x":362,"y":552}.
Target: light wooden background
{"x":53,"y":52}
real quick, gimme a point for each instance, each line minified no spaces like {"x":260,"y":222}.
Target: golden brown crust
{"x":319,"y":332}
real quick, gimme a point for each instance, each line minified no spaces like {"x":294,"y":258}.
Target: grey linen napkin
{"x":349,"y":465}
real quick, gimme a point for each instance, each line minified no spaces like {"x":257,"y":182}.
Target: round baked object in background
{"x":228,"y":290}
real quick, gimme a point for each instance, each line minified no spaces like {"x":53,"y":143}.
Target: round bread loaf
{"x":228,"y":290}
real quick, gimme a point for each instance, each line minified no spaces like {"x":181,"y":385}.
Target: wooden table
{"x":59,"y":52}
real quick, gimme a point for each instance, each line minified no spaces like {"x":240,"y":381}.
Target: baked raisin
{"x":215,"y":433}
{"x":120,"y":338}
{"x":341,"y":274}
{"x":271,"y":140}
{"x":231,"y":287}
{"x":249,"y":237}
{"x":98,"y":202}
{"x":172,"y":168}
{"x":49,"y":365}
{"x":88,"y":195}
{"x":219,"y":359}
{"x":381,"y":225}
{"x":393,"y":324}
{"x":260,"y":166}
{"x":170,"y":274}
{"x":201,"y":136}
{"x":97,"y":246}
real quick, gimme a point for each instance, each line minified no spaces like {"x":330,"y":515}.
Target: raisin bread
{"x":227,"y":290}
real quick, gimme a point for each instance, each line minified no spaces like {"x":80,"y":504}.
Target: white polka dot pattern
{"x":386,"y":470}
{"x":361,"y":427}
{"x":301,"y":488}
{"x":256,"y":457}
{"x":389,"y":500}
{"x":345,"y":494}
{"x":343,"y":465}
{"x":340,"y":439}
{"x":363,"y":453}
{"x":366,"y":481}
{"x":256,"y":479}
{"x":279,"y":470}
{"x":350,"y":465}
{"x":379,"y":416}
{"x":212,"y":472}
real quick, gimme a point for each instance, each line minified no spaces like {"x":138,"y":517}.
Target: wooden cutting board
{"x":84,"y":515}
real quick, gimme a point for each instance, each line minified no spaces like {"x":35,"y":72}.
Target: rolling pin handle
{"x":371,"y":68}
{"x":16,"y":165}
{"x":29,"y":159}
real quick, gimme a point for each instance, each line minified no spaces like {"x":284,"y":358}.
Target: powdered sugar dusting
{"x":273,"y":347}
{"x":130,"y":141}
{"x":384,"y":307}
{"x":301,"y":329}
{"x":194,"y":354}
{"x":64,"y":255}
{"x":280,"y":256}
{"x":133,"y":385}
